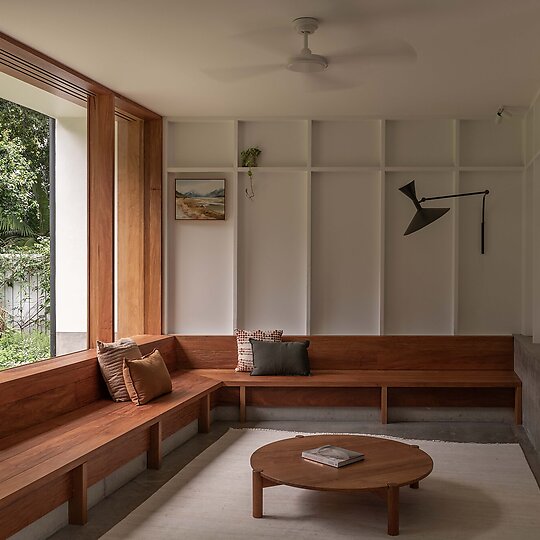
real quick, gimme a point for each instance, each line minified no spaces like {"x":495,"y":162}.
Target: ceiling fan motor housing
{"x":306,"y":61}
{"x":306,"y":25}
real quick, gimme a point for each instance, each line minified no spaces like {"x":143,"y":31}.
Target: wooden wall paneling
{"x":100,"y":218}
{"x":130,"y":243}
{"x":153,"y":171}
{"x":48,"y":389}
{"x":205,"y":352}
{"x":167,"y":349}
{"x":27,"y":412}
{"x":367,"y":352}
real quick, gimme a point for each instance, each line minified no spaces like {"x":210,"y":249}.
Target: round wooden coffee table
{"x":388,"y":465}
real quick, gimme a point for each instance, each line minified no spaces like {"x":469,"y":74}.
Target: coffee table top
{"x":386,"y":463}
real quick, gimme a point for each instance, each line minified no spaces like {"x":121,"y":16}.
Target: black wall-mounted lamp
{"x":425,"y":216}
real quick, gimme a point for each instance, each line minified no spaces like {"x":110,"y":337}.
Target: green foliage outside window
{"x":24,"y":234}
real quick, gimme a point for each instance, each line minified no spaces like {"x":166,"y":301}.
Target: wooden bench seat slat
{"x":370,"y":378}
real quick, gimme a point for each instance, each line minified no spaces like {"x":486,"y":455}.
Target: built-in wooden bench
{"x":400,"y":370}
{"x":59,"y":434}
{"x":382,"y":380}
{"x":48,"y":458}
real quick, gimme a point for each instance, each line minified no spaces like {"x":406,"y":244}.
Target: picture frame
{"x":199,"y":199}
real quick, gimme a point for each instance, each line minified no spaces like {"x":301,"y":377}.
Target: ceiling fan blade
{"x":388,"y":51}
{"x":231,"y":74}
{"x":326,"y":82}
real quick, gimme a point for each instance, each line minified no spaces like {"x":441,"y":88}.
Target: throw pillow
{"x":245,"y":356}
{"x":287,"y":358}
{"x":147,"y":378}
{"x":110,"y":359}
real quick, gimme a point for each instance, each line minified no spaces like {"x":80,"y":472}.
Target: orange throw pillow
{"x":146,"y":378}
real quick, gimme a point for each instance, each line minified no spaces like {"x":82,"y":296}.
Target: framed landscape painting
{"x":198,"y":198}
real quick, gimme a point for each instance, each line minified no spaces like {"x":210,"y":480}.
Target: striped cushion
{"x":245,"y":353}
{"x":111,"y":359}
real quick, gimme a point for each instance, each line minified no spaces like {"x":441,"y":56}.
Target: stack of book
{"x":332,"y":455}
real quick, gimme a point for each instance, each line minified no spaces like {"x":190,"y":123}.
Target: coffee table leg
{"x":257,"y":495}
{"x":414,"y":485}
{"x":393,"y":509}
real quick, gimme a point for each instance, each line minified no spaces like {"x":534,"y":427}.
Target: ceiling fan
{"x":306,"y":61}
{"x":313,"y":65}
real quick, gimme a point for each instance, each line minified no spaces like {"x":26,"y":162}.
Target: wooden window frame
{"x":103,"y":106}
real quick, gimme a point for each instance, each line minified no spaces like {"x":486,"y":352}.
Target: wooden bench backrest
{"x":38,"y":392}
{"x":366,"y":352}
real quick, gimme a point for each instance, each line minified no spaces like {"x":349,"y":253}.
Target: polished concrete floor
{"x":115,"y":507}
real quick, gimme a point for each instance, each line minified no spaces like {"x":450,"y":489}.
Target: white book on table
{"x":334,"y":456}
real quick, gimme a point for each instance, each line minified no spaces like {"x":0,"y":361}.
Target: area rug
{"x":476,"y":491}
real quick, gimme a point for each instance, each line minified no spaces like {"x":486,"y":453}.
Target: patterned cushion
{"x":245,"y":353}
{"x":111,"y":358}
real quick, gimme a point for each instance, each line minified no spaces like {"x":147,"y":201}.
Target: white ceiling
{"x":466,"y":57}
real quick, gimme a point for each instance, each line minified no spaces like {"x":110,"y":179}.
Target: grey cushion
{"x":285,"y":358}
{"x":111,"y":360}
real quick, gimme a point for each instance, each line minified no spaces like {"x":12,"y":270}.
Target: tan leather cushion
{"x":111,"y":361}
{"x":146,"y":378}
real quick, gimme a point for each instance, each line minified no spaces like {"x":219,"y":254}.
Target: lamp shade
{"x":423,"y":216}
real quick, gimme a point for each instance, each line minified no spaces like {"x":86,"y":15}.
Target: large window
{"x":43,"y":225}
{"x":25,"y":269}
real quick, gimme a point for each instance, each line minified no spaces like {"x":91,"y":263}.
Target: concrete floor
{"x":117,"y":506}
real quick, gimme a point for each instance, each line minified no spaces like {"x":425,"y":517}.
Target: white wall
{"x":71,"y":226}
{"x":320,"y":249}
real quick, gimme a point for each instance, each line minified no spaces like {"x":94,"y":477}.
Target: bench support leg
{"x":78,"y":504}
{"x":204,"y":415}
{"x":242,"y":404}
{"x":517,"y":405}
{"x":153,"y":455}
{"x":384,"y":405}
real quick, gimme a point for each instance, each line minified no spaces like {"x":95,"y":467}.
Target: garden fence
{"x":24,"y":301}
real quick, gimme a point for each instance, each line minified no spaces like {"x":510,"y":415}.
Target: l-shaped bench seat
{"x":59,"y":434}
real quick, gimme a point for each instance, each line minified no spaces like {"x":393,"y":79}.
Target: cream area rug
{"x":476,"y":491}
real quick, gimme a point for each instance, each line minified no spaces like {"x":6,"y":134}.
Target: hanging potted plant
{"x":249,"y":159}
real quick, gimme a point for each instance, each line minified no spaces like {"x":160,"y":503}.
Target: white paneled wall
{"x":345,"y":253}
{"x":320,"y":249}
{"x":418,"y":267}
{"x":272,"y":252}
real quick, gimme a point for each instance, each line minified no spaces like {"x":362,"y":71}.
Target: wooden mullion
{"x":100,"y":218}
{"x":153,"y":156}
{"x":130,"y":211}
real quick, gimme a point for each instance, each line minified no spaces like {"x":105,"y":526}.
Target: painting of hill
{"x":200,"y":198}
